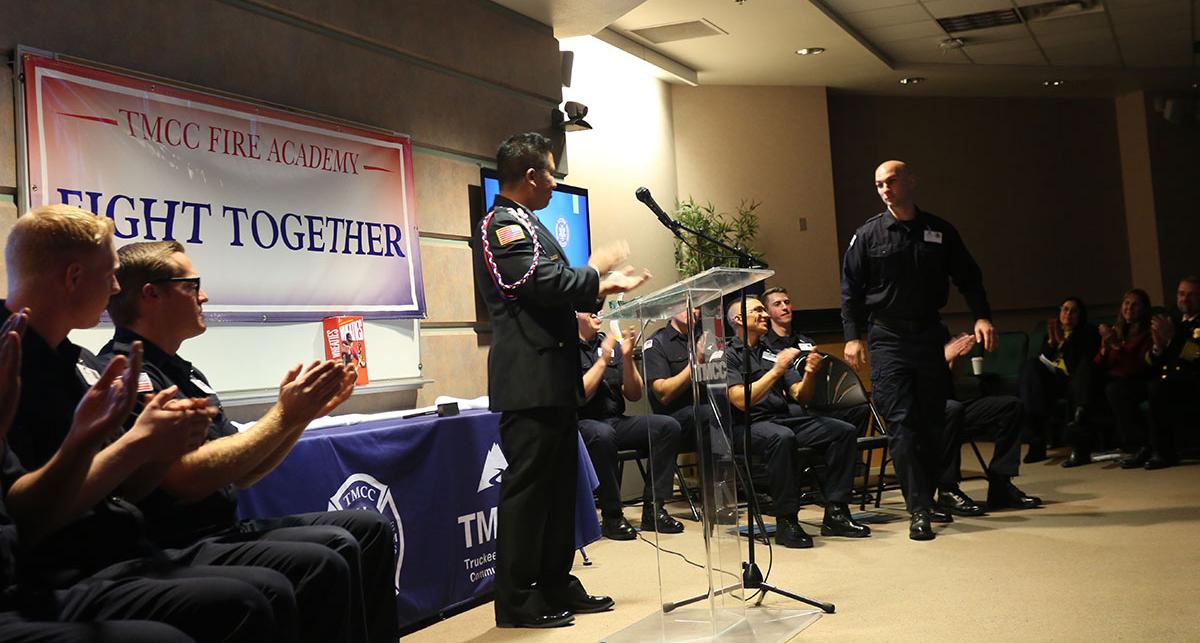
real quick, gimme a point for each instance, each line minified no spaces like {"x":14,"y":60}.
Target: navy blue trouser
{"x":909,"y":381}
{"x":1001,"y":415}
{"x":654,"y":435}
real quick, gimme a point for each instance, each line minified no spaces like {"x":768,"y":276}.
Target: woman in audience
{"x":1071,"y":343}
{"x":1119,"y":371}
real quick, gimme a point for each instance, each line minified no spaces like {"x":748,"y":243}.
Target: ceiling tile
{"x":1096,"y":54}
{"x":928,"y":29}
{"x":1064,"y":25}
{"x":1163,"y":49}
{"x":843,"y":7}
{"x":947,"y":8}
{"x":1027,"y":58}
{"x":888,"y":16}
{"x":1103,"y":34}
{"x":1173,"y":10}
{"x":924,"y":52}
{"x":992,"y":49}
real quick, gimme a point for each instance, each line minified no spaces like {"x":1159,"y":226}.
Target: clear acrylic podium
{"x":702,"y":598}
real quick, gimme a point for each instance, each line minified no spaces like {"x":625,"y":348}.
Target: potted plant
{"x":737,"y":230}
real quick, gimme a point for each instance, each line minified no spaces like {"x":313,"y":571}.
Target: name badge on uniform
{"x":805,"y":347}
{"x":89,"y":375}
{"x":933,"y":236}
{"x":769,"y":356}
{"x":205,"y":388}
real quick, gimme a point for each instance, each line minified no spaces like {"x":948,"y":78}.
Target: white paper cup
{"x":977,"y":365}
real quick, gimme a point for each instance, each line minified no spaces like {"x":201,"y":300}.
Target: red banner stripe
{"x":377,"y":169}
{"x":110,"y":121}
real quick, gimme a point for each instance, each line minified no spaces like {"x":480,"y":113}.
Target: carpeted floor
{"x":1114,"y":555}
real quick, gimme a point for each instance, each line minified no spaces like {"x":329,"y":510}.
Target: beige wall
{"x":1033,"y":185}
{"x":1140,"y":217}
{"x":770,"y":144}
{"x":431,"y":70}
{"x":631,"y":146}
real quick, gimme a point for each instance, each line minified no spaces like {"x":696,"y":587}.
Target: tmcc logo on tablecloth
{"x":363,"y":491}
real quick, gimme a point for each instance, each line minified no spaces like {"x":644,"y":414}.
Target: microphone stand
{"x":752,"y":577}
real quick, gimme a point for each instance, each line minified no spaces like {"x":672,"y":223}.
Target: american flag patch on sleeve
{"x":144,"y":383}
{"x":510,"y":233}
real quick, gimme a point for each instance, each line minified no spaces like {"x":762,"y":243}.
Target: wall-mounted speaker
{"x":568,"y":61}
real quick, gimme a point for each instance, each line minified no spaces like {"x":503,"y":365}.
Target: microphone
{"x":643,"y":195}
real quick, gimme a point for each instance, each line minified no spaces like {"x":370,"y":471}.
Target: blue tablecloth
{"x":435,"y":478}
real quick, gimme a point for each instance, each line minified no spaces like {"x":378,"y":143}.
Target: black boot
{"x":617,"y":529}
{"x":788,"y":533}
{"x":953,"y":500}
{"x":918,"y":526}
{"x":1003,"y":494}
{"x":656,"y":518}
{"x":1137,"y":460}
{"x":839,"y":522}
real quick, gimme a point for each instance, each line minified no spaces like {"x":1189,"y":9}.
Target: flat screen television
{"x":566,"y":217}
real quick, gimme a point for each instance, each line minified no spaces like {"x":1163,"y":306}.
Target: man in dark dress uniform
{"x":534,"y":381}
{"x":160,"y":305}
{"x":1175,"y":379}
{"x":895,"y":279}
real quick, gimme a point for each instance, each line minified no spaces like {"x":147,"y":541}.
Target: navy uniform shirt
{"x":899,"y":271}
{"x":762,"y":359}
{"x":795,"y":340}
{"x":10,"y":470}
{"x":53,"y":381}
{"x":607,"y":401}
{"x":664,"y":355}
{"x":172,"y":523}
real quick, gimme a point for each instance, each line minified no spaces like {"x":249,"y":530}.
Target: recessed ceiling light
{"x":952,"y":43}
{"x":1053,"y":83}
{"x":810,"y":51}
{"x":912,"y":80}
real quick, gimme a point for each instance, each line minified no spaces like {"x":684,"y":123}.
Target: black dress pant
{"x":536,"y":520}
{"x":1039,"y":388}
{"x":775,"y":442}
{"x":838,"y":443}
{"x":999,"y":415}
{"x":16,"y":629}
{"x":1173,"y":401}
{"x":1125,"y":396}
{"x":364,"y":540}
{"x":319,"y":579}
{"x":654,"y":435}
{"x":909,"y":381}
{"x":207,"y":603}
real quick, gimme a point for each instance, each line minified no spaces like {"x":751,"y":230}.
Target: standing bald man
{"x":895,"y":279}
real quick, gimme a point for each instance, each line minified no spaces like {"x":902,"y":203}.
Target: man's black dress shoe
{"x":659,"y":520}
{"x":1003,"y":494}
{"x":1036,"y":453}
{"x":919,"y":528}
{"x":553,"y":618}
{"x":839,"y":522}
{"x":789,"y":533}
{"x":1160,"y":461}
{"x":582,"y":603}
{"x":617,"y":529}
{"x":940,"y":516}
{"x":958,"y":503}
{"x":1137,"y":460}
{"x":1077,"y":458}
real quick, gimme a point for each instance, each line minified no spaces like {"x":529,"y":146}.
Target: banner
{"x":286,"y":217}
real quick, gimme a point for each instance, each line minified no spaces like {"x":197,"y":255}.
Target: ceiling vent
{"x":679,"y":31}
{"x":1060,"y":9}
{"x":982,"y":20}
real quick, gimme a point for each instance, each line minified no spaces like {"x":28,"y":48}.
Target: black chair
{"x":839,"y":387}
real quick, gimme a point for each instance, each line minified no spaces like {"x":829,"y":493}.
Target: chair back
{"x":838,"y":386}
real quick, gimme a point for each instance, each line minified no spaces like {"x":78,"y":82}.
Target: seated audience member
{"x":1119,"y":373}
{"x":609,"y":378}
{"x":82,"y":554}
{"x":775,"y":432}
{"x":1175,"y":373}
{"x":160,"y":305}
{"x":782,"y":335}
{"x":669,"y":378}
{"x":1071,"y":343}
{"x":1003,"y":414}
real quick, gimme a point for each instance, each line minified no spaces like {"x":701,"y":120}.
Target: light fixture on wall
{"x":1053,"y":83}
{"x":810,"y":51}
{"x":912,"y":80}
{"x":573,"y":120}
